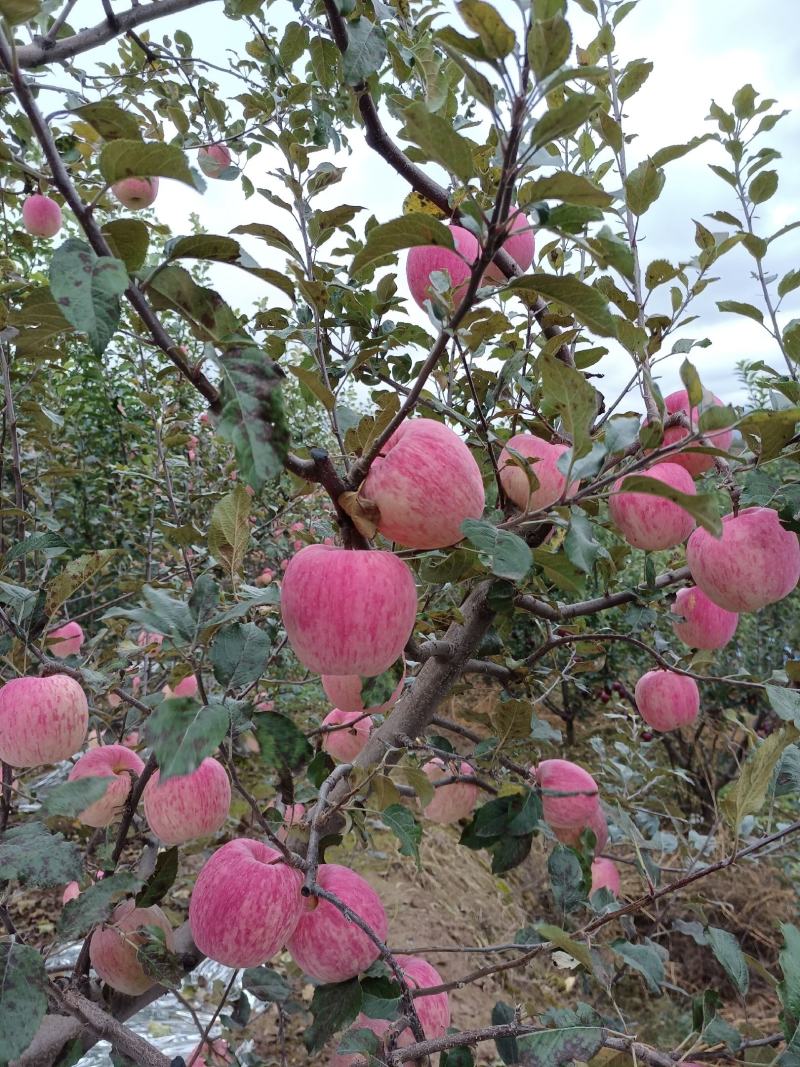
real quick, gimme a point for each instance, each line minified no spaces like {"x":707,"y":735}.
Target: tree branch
{"x":562,"y":612}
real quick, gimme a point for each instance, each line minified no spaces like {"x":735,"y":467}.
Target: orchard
{"x":399,"y":642}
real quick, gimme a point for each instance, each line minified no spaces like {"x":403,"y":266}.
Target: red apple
{"x":695,"y":463}
{"x":344,"y":745}
{"x":189,"y":806}
{"x":345,"y":691}
{"x":520,"y":245}
{"x":347,"y":612}
{"x":425,"y":483}
{"x":571,"y":811}
{"x":41,"y":216}
{"x":292,"y":816}
{"x":423,"y":260}
{"x":117,"y":763}
{"x":214,"y":159}
{"x":653,"y":522}
{"x":113,"y":947}
{"x":701,"y":622}
{"x":210,"y":1054}
{"x":756,"y":561}
{"x":136,"y":193}
{"x":595,"y":822}
{"x":146,"y":638}
{"x":71,"y":892}
{"x":65,"y":641}
{"x":667,"y":701}
{"x":605,"y":876}
{"x":186,"y":687}
{"x":450,"y":802}
{"x":42,"y":720}
{"x":245,"y":904}
{"x":544,"y":456}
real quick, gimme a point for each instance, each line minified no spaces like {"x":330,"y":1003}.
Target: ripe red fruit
{"x":605,"y":876}
{"x":520,"y":245}
{"x":117,"y":763}
{"x":345,"y":691}
{"x":667,"y":701}
{"x":190,"y":805}
{"x":345,"y":744}
{"x":571,"y":811}
{"x":423,"y":260}
{"x":66,"y":640}
{"x":653,"y":522}
{"x":113,"y":947}
{"x":42,"y":720}
{"x":214,"y":159}
{"x":694,"y":463}
{"x":451,"y":802}
{"x":41,"y":216}
{"x":543,"y":456}
{"x":701,"y":622}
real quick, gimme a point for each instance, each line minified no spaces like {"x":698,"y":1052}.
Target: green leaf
{"x":129,"y":240}
{"x":784,"y":702}
{"x":163,"y":614}
{"x":549,"y":45}
{"x":157,"y":960}
{"x":23,"y":996}
{"x":577,"y":949}
{"x":173,"y":288}
{"x":182,"y":734}
{"x":563,"y":185}
{"x":366,"y":50}
{"x":691,"y":379}
{"x":31,"y":855}
{"x":503,"y":552}
{"x":405,"y":827}
{"x":702,"y":507}
{"x":566,"y":879}
{"x":621,"y":432}
{"x":229,"y":529}
{"x":282,"y":743}
{"x":497,"y":38}
{"x":334,"y":1007}
{"x":789,"y":988}
{"x":16,"y":11}
{"x":789,"y":282}
{"x":646,"y":958}
{"x":574,"y":399}
{"x":727,"y":950}
{"x":75,"y":575}
{"x":552,"y":1048}
{"x":643,"y":186}
{"x":266,"y":985}
{"x":738,"y":308}
{"x":748,"y":793}
{"x":71,"y":798}
{"x":38,"y":542}
{"x":156,"y":159}
{"x":564,"y":120}
{"x":507,"y":1048}
{"x":409,"y":231}
{"x":587,"y":304}
{"x":161,"y":880}
{"x":582,"y":549}
{"x":437,"y":138}
{"x":510,"y":852}
{"x":239,"y":655}
{"x":636,"y":74}
{"x":763,"y":186}
{"x":95,"y":904}
{"x":87,"y":288}
{"x":110,"y":120}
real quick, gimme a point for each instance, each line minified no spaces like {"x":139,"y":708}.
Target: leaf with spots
{"x":31,"y":855}
{"x":94,"y":904}
{"x":182,"y":734}
{"x":23,"y":1000}
{"x":87,"y":288}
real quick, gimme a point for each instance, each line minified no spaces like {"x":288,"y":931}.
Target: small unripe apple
{"x":189,"y":806}
{"x":454,"y":801}
{"x":423,"y":260}
{"x":520,"y":245}
{"x":667,"y":701}
{"x":695,"y":463}
{"x":113,"y":947}
{"x":214,"y":159}
{"x":136,"y":193}
{"x":571,"y":811}
{"x":186,"y":687}
{"x":345,"y":744}
{"x":653,"y":522}
{"x":605,"y":876}
{"x":245,"y":904}
{"x":756,"y":561}
{"x":544,"y":457}
{"x":347,"y":612}
{"x":65,"y":641}
{"x":117,"y":763}
{"x":41,"y":216}
{"x":327,"y":946}
{"x":425,"y":483}
{"x":346,"y":692}
{"x":42,"y":720}
{"x":702,"y":623}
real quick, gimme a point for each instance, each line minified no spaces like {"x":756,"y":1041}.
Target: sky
{"x":702,"y":49}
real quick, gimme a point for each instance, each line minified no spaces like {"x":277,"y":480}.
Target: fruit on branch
{"x":117,"y":763}
{"x":189,"y":806}
{"x":574,"y":811}
{"x":214,"y":159}
{"x":245,"y":904}
{"x":327,"y":945}
{"x":572,"y":835}
{"x":41,"y":216}
{"x":605,"y":876}
{"x":71,"y":892}
{"x":113,"y":947}
{"x":292,"y":816}
{"x":653,"y":522}
{"x":42,"y":720}
{"x":667,"y":701}
{"x":520,"y":245}
{"x":146,"y":638}
{"x":701,"y":622}
{"x":136,"y":193}
{"x":756,"y":561}
{"x":345,"y":744}
{"x":347,"y":691}
{"x":186,"y":687}
{"x":694,"y":462}
{"x":544,"y":456}
{"x":423,"y":260}
{"x":347,"y":612}
{"x":65,"y":641}
{"x":451,"y":802}
{"x":425,"y":483}
{"x":210,"y":1054}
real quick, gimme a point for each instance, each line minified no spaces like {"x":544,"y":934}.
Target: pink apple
{"x":42,"y":720}
{"x":149,"y":638}
{"x":292,"y":816}
{"x":605,"y":876}
{"x":544,"y":457}
{"x":71,"y":892}
{"x":265,"y":577}
{"x":65,"y":641}
{"x":345,"y":744}
{"x":346,"y":691}
{"x":667,"y":701}
{"x":567,"y":812}
{"x":756,"y":561}
{"x":701,"y":623}
{"x":210,"y":1054}
{"x":347,"y":612}
{"x":186,"y":687}
{"x":136,"y":193}
{"x":117,"y":763}
{"x":41,"y":216}
{"x":425,"y":483}
{"x":327,"y":946}
{"x":113,"y":947}
{"x":423,"y":260}
{"x":214,"y":159}
{"x":520,"y":245}
{"x":695,"y":463}
{"x":595,"y":822}
{"x":450,"y":802}
{"x":653,"y":522}
{"x":189,"y":806}
{"x":245,"y":904}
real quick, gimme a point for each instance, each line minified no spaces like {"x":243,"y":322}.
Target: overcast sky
{"x":701,"y":49}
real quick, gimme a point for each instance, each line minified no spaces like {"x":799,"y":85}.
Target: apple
{"x":327,"y":946}
{"x":146,"y":638}
{"x":71,"y":892}
{"x":292,"y":816}
{"x":41,"y":216}
{"x":667,"y":701}
{"x":65,"y":641}
{"x":701,"y":623}
{"x":42,"y":720}
{"x":595,"y":822}
{"x":186,"y":687}
{"x":450,"y":802}
{"x":113,"y":947}
{"x":695,"y":463}
{"x":209,"y":1054}
{"x":346,"y":692}
{"x":189,"y":806}
{"x":117,"y":763}
{"x":214,"y":159}
{"x":605,"y":876}
{"x":567,"y":812}
{"x":347,"y":612}
{"x":245,"y":904}
{"x":136,"y":193}
{"x":425,"y":483}
{"x":520,"y":245}
{"x":653,"y":522}
{"x":423,"y":260}
{"x":545,"y":456}
{"x":264,"y":578}
{"x":754,"y":563}
{"x":345,"y":744}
